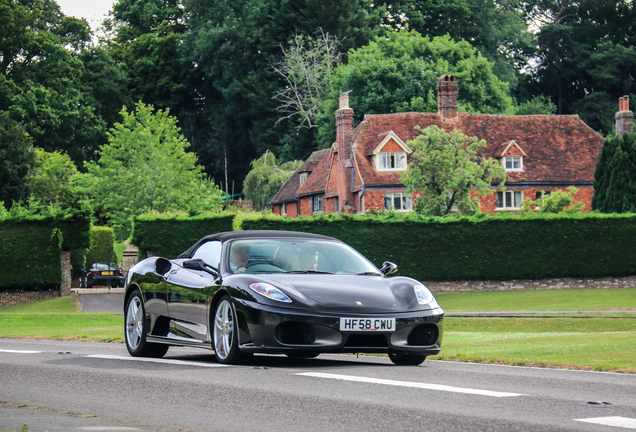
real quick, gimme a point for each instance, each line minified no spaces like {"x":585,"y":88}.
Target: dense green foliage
{"x":615,"y":176}
{"x":265,"y":178}
{"x":33,"y":244}
{"x":53,"y":180}
{"x":16,"y":160}
{"x":399,"y":73}
{"x":446,"y":168}
{"x":553,"y":202}
{"x":102,"y":243}
{"x":482,"y":248}
{"x":169,"y":236}
{"x":42,"y":82}
{"x":145,"y":168}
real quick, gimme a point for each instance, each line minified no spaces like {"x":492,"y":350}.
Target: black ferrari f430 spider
{"x":278,"y":292}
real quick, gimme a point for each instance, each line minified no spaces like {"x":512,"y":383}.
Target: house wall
{"x":329,"y":206}
{"x":292,"y":209}
{"x":305,"y":206}
{"x":585,"y":194}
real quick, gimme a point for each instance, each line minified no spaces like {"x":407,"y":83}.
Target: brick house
{"x":361,"y":171}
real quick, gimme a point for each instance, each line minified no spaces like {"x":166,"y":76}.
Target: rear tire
{"x":407,"y":359}
{"x":136,"y":329}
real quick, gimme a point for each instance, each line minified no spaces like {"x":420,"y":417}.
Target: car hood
{"x":337,"y":291}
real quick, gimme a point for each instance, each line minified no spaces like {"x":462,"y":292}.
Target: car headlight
{"x":424,"y":295}
{"x":270,"y":291}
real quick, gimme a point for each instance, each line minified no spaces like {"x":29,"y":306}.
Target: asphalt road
{"x":103,"y":302}
{"x":61,"y":386}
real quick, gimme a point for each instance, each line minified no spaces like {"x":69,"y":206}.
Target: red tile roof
{"x":558,"y":148}
{"x":289,"y":190}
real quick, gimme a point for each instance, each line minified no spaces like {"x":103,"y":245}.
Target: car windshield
{"x":296,"y":256}
{"x":104,"y":266}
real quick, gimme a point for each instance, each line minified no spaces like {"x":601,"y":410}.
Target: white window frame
{"x":512,"y":160}
{"x":283,"y":209}
{"x":317,"y":203}
{"x":384,"y":160}
{"x":404,"y":199}
{"x":511,"y":200}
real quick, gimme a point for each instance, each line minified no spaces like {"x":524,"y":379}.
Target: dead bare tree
{"x":306,"y":70}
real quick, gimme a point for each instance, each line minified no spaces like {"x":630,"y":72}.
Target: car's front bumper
{"x":268,"y":329}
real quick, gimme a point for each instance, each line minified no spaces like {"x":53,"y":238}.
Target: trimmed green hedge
{"x":31,"y":248}
{"x":170,"y":236}
{"x":481,"y":248}
{"x":102,"y":243}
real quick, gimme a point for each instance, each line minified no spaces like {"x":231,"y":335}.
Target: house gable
{"x":390,"y":154}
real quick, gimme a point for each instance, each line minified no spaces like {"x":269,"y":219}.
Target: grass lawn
{"x":59,"y":318}
{"x":601,"y":344}
{"x":597,"y":343}
{"x":539,"y":300}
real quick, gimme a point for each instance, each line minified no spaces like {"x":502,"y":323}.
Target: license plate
{"x":367,"y":324}
{"x":107,"y":273}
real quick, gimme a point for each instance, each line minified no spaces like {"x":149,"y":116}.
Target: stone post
{"x":65,"y":288}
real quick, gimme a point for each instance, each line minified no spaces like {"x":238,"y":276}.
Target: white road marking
{"x":622,"y":422}
{"x":107,"y":428}
{"x":20,"y":351}
{"x":410,"y":384}
{"x":153,"y":360}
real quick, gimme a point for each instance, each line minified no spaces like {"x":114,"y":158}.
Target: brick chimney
{"x":624,"y":117}
{"x":344,"y":166}
{"x":447,"y":97}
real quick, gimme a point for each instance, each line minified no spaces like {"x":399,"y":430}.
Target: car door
{"x":188,"y":294}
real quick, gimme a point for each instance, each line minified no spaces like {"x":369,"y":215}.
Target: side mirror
{"x":162,"y":266}
{"x":388,"y":268}
{"x":199,"y":264}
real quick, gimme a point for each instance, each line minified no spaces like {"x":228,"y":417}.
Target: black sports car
{"x":278,"y":292}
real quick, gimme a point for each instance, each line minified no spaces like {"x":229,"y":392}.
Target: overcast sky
{"x":93,"y":10}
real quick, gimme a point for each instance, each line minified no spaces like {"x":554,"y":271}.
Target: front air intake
{"x":294,"y":333}
{"x":423,"y":335}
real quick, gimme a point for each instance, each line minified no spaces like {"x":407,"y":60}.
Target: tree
{"x":148,"y":48}
{"x":496,"y":28}
{"x":615,"y":176}
{"x":41,"y":77}
{"x":53,"y":180}
{"x":306,"y":70}
{"x":399,"y":73}
{"x":445,"y":168}
{"x":233,"y":45}
{"x":16,"y":160}
{"x":554,"y":202}
{"x":266,"y":178}
{"x":583,"y":47}
{"x":145,"y":167}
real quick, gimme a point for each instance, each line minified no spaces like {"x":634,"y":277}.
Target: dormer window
{"x":390,"y":153}
{"x":392,"y":161}
{"x":303,"y":177}
{"x":513,"y":163}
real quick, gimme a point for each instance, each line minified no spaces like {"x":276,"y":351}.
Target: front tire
{"x":407,"y":359}
{"x":226,"y":331}
{"x":136,"y":329}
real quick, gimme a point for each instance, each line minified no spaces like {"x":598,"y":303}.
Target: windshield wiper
{"x":368,"y":274}
{"x":308,"y":272}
